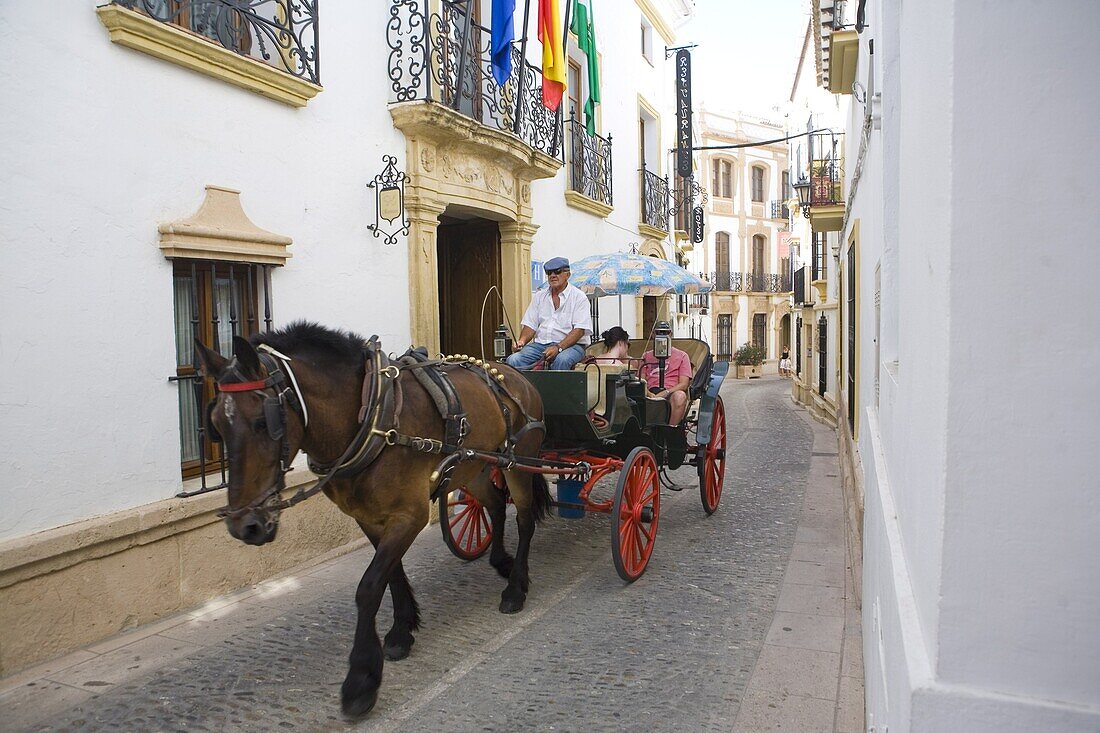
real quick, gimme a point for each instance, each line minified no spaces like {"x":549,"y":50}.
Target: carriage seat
{"x":698,"y":353}
{"x":597,"y":391}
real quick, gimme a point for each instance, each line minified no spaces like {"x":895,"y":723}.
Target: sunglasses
{"x":558,"y":271}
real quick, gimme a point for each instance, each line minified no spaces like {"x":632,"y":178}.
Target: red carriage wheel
{"x":713,"y":469}
{"x":465,"y":524}
{"x":634,"y":514}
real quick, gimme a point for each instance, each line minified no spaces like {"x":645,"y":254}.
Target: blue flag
{"x":503,"y":32}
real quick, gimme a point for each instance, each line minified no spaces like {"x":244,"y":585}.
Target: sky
{"x":747,"y":54}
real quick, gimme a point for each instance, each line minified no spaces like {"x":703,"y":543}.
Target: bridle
{"x":283,"y":384}
{"x":368,"y":442}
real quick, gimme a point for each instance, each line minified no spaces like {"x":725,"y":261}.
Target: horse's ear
{"x":211,"y":362}
{"x":246,"y":356}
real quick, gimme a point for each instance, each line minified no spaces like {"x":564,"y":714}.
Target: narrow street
{"x":745,"y":620}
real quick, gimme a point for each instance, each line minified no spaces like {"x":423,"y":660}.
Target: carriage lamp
{"x":502,"y":343}
{"x":662,"y":339}
{"x":662,"y":343}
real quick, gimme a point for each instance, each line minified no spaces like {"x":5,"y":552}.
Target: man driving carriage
{"x":556,"y":326}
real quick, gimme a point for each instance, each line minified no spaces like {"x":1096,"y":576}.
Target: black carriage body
{"x":609,"y":410}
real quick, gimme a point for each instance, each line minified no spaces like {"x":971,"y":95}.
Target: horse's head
{"x":260,"y":438}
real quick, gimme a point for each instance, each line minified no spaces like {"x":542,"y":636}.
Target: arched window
{"x":758,"y":183}
{"x":722,"y":178}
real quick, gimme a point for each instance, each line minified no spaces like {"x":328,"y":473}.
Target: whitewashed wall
{"x":102,"y":143}
{"x":982,"y":527}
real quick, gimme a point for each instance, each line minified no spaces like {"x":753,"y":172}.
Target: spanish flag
{"x":553,"y":55}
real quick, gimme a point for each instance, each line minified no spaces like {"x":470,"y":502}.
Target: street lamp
{"x":802,"y":188}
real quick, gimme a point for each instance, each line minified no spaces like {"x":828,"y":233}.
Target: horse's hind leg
{"x":406,"y":616}
{"x":532,"y":499}
{"x":360,"y":689}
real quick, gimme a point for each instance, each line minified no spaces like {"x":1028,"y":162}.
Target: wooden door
{"x":469,"y":264}
{"x":649,"y":315}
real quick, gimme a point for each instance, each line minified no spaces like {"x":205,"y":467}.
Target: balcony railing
{"x":276,"y":32}
{"x":589,"y":163}
{"x":751,"y":282}
{"x":779,"y":210}
{"x":444,"y":57}
{"x":655,"y":200}
{"x":826,"y":168}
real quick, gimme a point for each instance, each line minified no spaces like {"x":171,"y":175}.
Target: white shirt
{"x":551,"y":326}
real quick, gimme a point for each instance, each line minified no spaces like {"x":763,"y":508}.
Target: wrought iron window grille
{"x":443,"y":57}
{"x":589,"y":162}
{"x":822,"y":353}
{"x":229,"y":308}
{"x":280,"y":33}
{"x":655,"y":200}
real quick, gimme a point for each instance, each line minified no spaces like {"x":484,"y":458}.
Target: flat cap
{"x":554,"y":263}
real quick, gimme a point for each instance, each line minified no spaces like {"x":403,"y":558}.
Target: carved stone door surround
{"x":460,"y":165}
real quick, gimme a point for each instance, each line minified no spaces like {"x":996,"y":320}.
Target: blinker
{"x":273,"y":416}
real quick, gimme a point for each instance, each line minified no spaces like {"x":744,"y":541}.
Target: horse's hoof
{"x":504,"y":567}
{"x":510,"y":604}
{"x":397,"y":646}
{"x":358,"y":694}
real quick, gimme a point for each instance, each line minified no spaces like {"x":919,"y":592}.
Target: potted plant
{"x":748,"y":360}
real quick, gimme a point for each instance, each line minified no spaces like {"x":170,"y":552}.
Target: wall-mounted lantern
{"x":389,"y":200}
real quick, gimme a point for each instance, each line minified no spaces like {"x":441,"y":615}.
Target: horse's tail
{"x":540,"y":497}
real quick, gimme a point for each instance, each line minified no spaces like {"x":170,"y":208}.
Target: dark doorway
{"x":469,"y":264}
{"x":649,"y":315}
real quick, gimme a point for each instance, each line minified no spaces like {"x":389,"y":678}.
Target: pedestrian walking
{"x":785,"y":362}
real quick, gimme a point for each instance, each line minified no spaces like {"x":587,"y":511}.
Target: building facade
{"x":965,"y":439}
{"x":746,"y":252}
{"x":202,"y":172}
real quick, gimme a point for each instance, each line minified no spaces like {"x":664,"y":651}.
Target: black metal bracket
{"x":669,"y":50}
{"x":389,"y":201}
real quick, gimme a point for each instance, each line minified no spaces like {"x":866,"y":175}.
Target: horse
{"x":389,"y":498}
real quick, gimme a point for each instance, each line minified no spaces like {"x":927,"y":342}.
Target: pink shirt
{"x":677,"y":366}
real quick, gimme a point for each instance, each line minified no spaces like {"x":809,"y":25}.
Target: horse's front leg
{"x":360,"y":689}
{"x":406,"y":616}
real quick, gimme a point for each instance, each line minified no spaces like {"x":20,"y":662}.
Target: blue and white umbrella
{"x":632,"y":274}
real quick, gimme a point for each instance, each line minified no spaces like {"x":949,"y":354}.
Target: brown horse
{"x":389,"y":497}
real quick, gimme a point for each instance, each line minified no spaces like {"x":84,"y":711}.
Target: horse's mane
{"x":331,"y":343}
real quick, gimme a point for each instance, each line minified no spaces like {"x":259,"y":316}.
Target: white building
{"x":966,"y":404}
{"x":115,"y":122}
{"x":816,"y":321}
{"x":745,"y":253}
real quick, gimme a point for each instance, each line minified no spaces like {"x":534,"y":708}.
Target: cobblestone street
{"x":745,"y":620}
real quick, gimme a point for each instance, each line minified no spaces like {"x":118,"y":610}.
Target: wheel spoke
{"x":645,"y":531}
{"x":459,"y":515}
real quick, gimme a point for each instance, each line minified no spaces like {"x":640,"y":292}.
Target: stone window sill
{"x":137,"y":31}
{"x":578,"y":200}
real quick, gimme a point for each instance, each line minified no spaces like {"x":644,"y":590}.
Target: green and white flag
{"x":586,"y":42}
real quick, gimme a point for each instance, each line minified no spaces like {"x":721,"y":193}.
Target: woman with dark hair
{"x":616,"y":341}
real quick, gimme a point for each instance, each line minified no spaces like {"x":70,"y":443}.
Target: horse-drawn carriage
{"x":430,"y":425}
{"x":601,"y":420}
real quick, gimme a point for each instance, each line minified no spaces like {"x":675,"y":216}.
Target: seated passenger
{"x":677,"y":380}
{"x":616,"y":343}
{"x":557,"y":321}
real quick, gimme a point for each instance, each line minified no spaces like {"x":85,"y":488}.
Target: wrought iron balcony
{"x":751,"y":282}
{"x":589,"y":163}
{"x":443,"y":57}
{"x":655,"y":200}
{"x":279,"y":33}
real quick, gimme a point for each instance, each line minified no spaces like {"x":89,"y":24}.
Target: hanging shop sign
{"x":683,"y":112}
{"x":389,"y":200}
{"x":697,"y":225}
